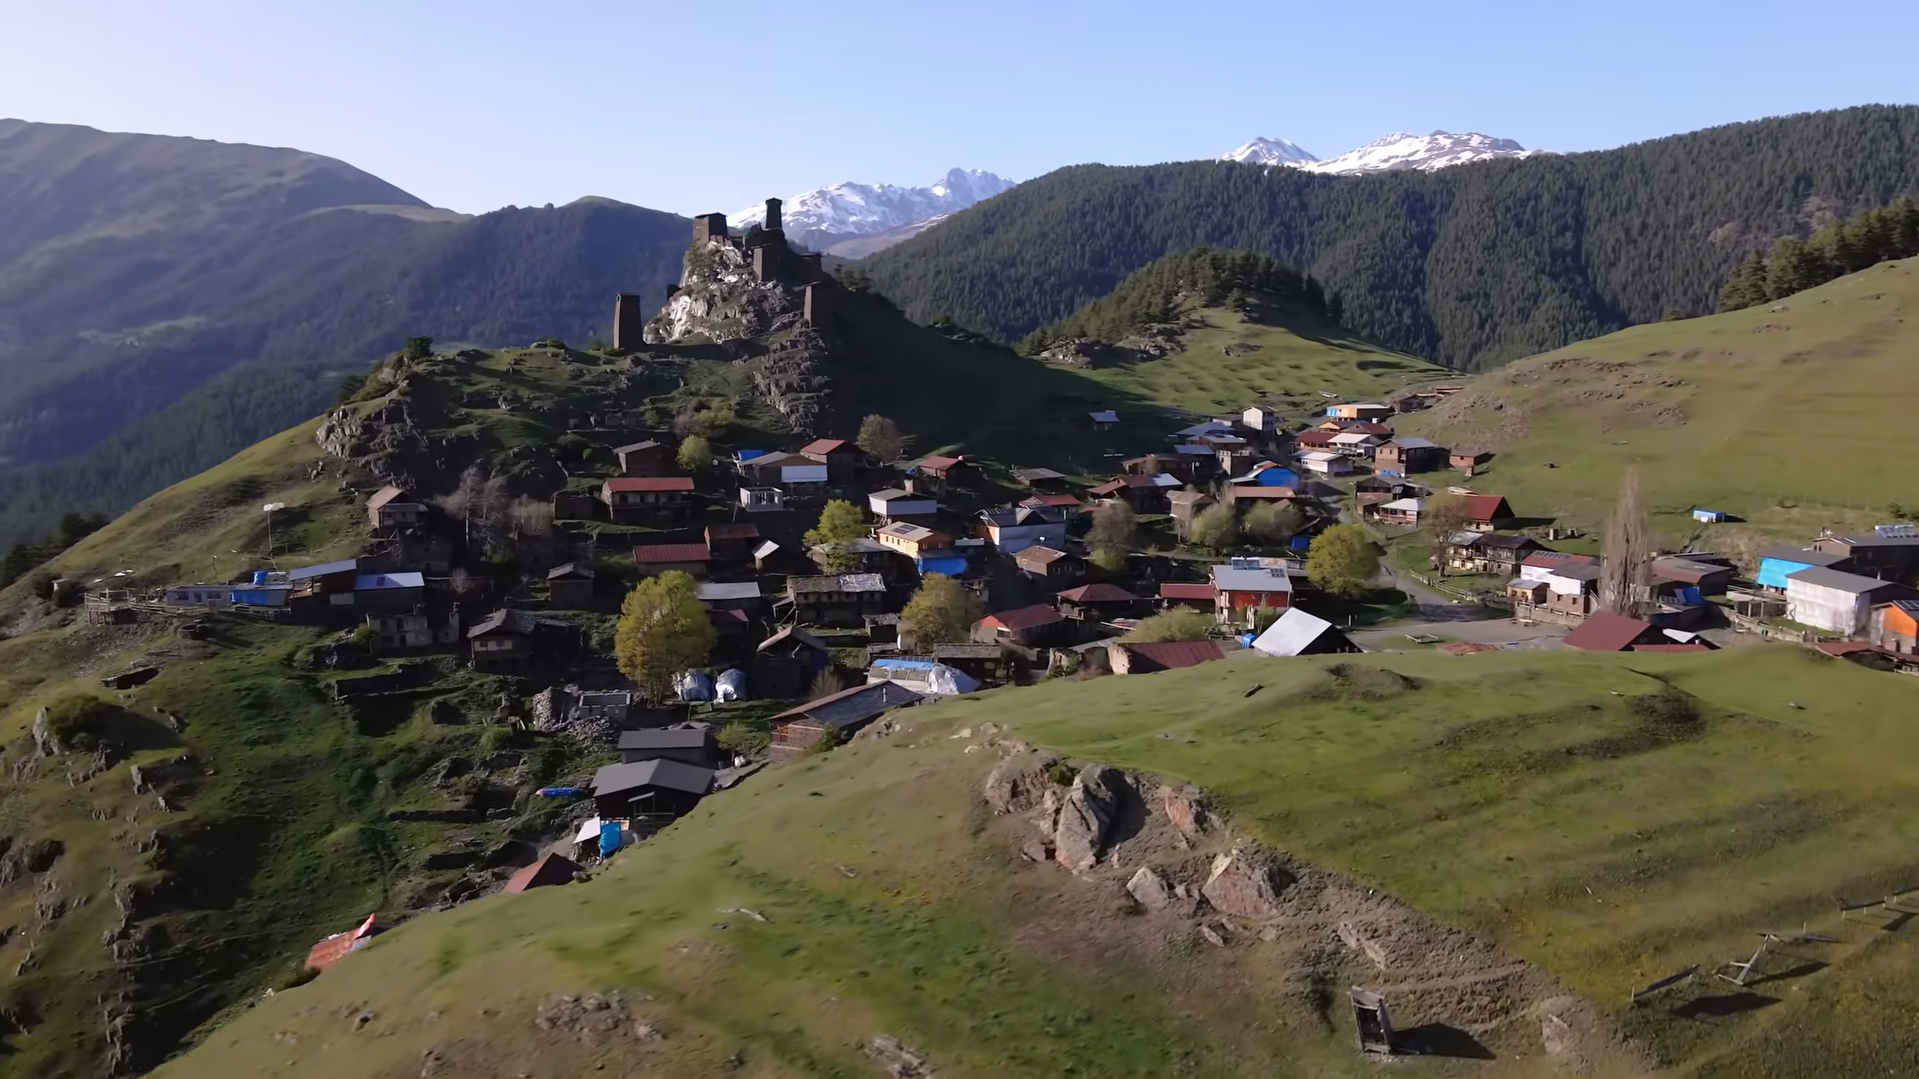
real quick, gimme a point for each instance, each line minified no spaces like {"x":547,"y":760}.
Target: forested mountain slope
{"x":1471,"y":266}
{"x":167,"y":302}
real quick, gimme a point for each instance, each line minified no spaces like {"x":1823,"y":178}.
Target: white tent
{"x":731,"y":686}
{"x":1298,"y":634}
{"x":695,"y":686}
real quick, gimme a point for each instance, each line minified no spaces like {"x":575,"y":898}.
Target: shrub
{"x":741,"y":739}
{"x":77,"y":721}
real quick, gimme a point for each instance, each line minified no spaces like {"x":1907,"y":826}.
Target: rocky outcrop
{"x":1184,"y":808}
{"x":1085,"y":814}
{"x":1082,"y":352}
{"x":1244,"y":885}
{"x":720,"y":299}
{"x":1020,"y":782}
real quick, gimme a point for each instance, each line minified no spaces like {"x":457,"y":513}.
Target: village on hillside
{"x":841,"y":579}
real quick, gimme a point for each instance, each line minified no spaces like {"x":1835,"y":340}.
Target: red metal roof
{"x":1314,"y":438}
{"x":332,"y":949}
{"x":1486,"y":508}
{"x":657,"y":553}
{"x":1058,"y":501}
{"x":1552,"y":559}
{"x":824,"y":446}
{"x":1188,"y":590}
{"x":740,"y":531}
{"x":549,"y":870}
{"x":1039,"y":614}
{"x":1172,"y":655}
{"x":630,"y":484}
{"x":937,"y":463}
{"x":1098,"y":593}
{"x":1606,"y":632}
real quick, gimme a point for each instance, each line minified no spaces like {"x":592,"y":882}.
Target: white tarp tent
{"x":731,"y":686}
{"x":695,"y":686}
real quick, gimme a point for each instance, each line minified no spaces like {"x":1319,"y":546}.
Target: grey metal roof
{"x":1803,"y":555}
{"x":672,"y":775}
{"x":844,"y":582}
{"x":851,"y":707}
{"x":571,"y":569}
{"x":666,"y":738}
{"x":1248,"y":579}
{"x":324,"y":569}
{"x":1838,"y":580}
{"x":724,"y":590}
{"x":1412,"y":442}
{"x":506,"y":621}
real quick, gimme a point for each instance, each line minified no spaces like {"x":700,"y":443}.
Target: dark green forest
{"x":1795,"y":265}
{"x":1240,"y":280}
{"x":1471,"y":266}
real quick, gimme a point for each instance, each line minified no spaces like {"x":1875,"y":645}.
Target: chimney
{"x":772,"y":215}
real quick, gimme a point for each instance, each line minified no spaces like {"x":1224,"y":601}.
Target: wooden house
{"x":940,"y":473}
{"x":639,"y":499}
{"x":842,"y":599}
{"x":1400,"y":511}
{"x":1101,"y":602}
{"x":1197,"y":595}
{"x":503,"y":642}
{"x":1487,"y":552}
{"x":653,"y":559}
{"x":1041,"y":479}
{"x":731,"y":543}
{"x":575,"y":506}
{"x":796,"y":477}
{"x":399,"y":631}
{"x":1029,"y":627}
{"x":786,"y":663}
{"x":393,"y":508}
{"x":982,"y":662}
{"x":1486,"y":513}
{"x":1149,"y":657}
{"x":913,"y":541}
{"x":1185,"y":506}
{"x":1145,"y":494}
{"x":647,"y":458}
{"x":570,"y":586}
{"x":1362,"y":410}
{"x":1407,"y":454}
{"x":1246,"y":586}
{"x":799,"y":729}
{"x":1710,"y":578}
{"x":841,"y":458}
{"x":1052,"y":568}
{"x":692,"y":744}
{"x":1012,"y":529}
{"x":656,"y":791}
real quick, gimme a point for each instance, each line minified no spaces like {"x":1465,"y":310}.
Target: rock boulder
{"x":1150,"y":889}
{"x":1185,"y":808}
{"x":1085,"y":815}
{"x":1244,"y":887}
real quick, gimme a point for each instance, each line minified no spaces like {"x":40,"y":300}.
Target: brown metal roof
{"x":1039,"y":614}
{"x":552,"y":869}
{"x":1607,"y":632}
{"x":1187,"y":590}
{"x":1098,"y":593}
{"x":662,"y":553}
{"x":632,"y":484}
{"x":1172,"y":655}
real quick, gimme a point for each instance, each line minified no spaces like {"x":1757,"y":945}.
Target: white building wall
{"x":1830,"y":609}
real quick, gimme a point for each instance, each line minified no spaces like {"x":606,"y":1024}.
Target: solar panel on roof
{"x":1898,"y":531}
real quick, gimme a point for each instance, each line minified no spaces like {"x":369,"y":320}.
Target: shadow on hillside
{"x":1723,"y":1005}
{"x":1440,"y":1040}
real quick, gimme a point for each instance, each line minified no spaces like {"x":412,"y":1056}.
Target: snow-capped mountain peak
{"x":1265,"y":151}
{"x":1399,"y":150}
{"x":854,"y":209}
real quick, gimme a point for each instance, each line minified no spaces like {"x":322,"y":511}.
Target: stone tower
{"x":772,"y":216}
{"x":629,"y":322}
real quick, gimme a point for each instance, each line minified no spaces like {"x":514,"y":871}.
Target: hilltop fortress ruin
{"x":740,"y":286}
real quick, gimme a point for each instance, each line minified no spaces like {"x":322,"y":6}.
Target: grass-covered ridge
{"x":1727,"y":411}
{"x":1690,"y":794}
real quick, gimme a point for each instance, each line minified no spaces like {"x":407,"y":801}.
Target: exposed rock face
{"x":1082,"y":352}
{"x":900,"y":1060}
{"x":1244,"y":887}
{"x":1085,"y":815}
{"x":1184,"y":808}
{"x":720,"y":299}
{"x":1150,"y":889}
{"x":1019,"y":783}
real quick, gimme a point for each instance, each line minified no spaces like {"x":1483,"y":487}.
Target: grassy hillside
{"x":1612,"y":818}
{"x":1727,"y":411}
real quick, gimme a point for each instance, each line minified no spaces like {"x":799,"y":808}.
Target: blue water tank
{"x":609,"y":838}
{"x":259,"y":576}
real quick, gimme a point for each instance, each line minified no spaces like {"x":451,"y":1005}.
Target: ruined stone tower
{"x":709,"y":227}
{"x":773,"y":216}
{"x":629,"y":322}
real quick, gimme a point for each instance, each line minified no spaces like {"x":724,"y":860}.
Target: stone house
{"x":399,"y":632}
{"x":503,"y":642}
{"x":654,"y":559}
{"x":786,"y":663}
{"x":843,"y":599}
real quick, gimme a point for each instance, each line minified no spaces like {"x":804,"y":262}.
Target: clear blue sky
{"x":713,"y":104}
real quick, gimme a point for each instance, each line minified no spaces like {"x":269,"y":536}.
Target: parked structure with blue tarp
{"x":609,"y":838}
{"x":949,"y":567}
{"x":1779,"y":563}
